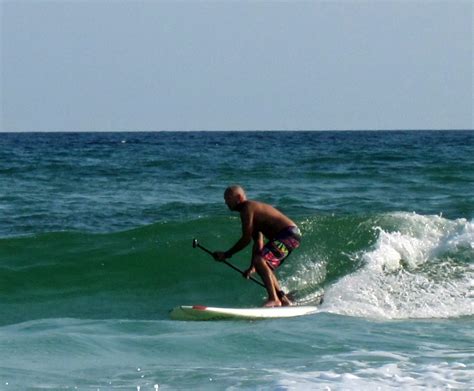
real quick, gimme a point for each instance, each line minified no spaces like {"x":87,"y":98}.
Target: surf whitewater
{"x":395,"y":265}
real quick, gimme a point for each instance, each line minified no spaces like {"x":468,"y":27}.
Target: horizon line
{"x":237,"y":130}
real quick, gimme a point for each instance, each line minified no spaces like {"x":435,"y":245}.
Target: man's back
{"x":265,"y":218}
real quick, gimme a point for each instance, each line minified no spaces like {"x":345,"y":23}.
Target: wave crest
{"x":419,"y":267}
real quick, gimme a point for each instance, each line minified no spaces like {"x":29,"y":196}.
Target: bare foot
{"x":272,"y":303}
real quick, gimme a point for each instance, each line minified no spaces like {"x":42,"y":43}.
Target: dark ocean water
{"x":95,"y":249}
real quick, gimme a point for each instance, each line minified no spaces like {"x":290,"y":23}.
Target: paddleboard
{"x":200,"y":312}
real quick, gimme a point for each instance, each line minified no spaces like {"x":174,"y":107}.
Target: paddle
{"x":281,"y":294}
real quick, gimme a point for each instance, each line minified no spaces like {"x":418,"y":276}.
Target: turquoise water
{"x":96,"y":248}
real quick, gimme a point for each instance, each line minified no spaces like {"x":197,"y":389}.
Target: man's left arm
{"x":257,"y":248}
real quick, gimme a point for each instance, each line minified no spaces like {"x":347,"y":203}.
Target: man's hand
{"x":219,"y":256}
{"x":247,"y":273}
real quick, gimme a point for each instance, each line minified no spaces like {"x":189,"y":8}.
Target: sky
{"x":76,"y":65}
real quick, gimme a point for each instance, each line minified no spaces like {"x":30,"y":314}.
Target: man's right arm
{"x":246,"y":216}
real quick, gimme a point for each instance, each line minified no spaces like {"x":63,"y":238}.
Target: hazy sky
{"x":220,"y":65}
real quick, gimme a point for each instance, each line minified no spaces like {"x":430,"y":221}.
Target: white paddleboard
{"x":200,"y":312}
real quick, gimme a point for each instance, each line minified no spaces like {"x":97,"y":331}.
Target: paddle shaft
{"x":230,"y":265}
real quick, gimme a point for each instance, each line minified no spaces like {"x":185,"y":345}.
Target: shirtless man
{"x":259,"y":220}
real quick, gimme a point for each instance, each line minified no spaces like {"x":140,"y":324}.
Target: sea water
{"x":96,"y":235}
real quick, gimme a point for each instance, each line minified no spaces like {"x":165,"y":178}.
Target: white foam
{"x":420,"y":269}
{"x":391,"y":376}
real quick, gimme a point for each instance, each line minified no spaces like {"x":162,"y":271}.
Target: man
{"x":258,"y":220}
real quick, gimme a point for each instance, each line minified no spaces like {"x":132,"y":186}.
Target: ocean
{"x":96,"y":236}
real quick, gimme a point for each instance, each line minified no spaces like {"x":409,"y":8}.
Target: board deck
{"x":199,"y":312}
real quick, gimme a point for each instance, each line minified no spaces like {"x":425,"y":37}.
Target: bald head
{"x":234,"y":189}
{"x":234,"y":196}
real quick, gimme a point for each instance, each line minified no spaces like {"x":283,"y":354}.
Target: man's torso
{"x":266,"y":219}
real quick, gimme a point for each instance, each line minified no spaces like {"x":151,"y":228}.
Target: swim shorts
{"x":278,"y":249}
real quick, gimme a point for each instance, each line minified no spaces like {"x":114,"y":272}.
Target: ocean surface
{"x":96,"y":235}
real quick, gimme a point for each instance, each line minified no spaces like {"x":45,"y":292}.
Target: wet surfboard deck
{"x":200,"y":312}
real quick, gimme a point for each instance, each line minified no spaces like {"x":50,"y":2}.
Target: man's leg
{"x":284,"y":300}
{"x":269,"y":280}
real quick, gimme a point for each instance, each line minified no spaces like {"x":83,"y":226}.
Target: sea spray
{"x":420,"y":268}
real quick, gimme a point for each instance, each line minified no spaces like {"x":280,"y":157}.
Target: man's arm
{"x":246,"y":216}
{"x":257,"y":242}
{"x":257,"y":247}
